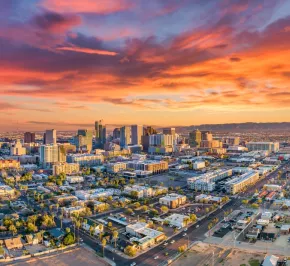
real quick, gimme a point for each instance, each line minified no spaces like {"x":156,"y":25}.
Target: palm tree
{"x":78,"y":225}
{"x":115,"y":236}
{"x":104,"y":243}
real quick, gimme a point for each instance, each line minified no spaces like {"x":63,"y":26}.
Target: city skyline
{"x":165,"y":63}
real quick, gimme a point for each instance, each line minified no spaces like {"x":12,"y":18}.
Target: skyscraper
{"x":101,"y":133}
{"x":116,"y":133}
{"x":125,"y":136}
{"x":136,"y":134}
{"x":206,"y":135}
{"x":169,"y":131}
{"x":195,"y":138}
{"x":50,"y":136}
{"x":51,"y":153}
{"x":29,"y":137}
{"x":84,"y":140}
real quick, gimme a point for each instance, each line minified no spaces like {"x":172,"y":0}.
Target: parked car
{"x":133,"y":264}
{"x":156,"y":258}
{"x":172,"y":241}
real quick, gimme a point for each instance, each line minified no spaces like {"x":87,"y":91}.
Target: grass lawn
{"x":254,"y":262}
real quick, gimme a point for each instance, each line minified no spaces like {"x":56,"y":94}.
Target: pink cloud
{"x":87,"y":6}
{"x":86,"y":50}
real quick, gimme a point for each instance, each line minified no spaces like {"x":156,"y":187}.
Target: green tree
{"x":12,"y":229}
{"x":160,"y":229}
{"x":69,"y":239}
{"x":115,"y":237}
{"x":164,"y":209}
{"x":104,"y":243}
{"x":31,"y":227}
{"x":130,"y":251}
{"x":193,"y":217}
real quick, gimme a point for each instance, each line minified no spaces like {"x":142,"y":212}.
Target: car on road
{"x":197,"y":226}
{"x":185,"y":234}
{"x":156,"y":258}
{"x":185,"y":230}
{"x":178,"y":228}
{"x":165,"y":244}
{"x":133,"y":264}
{"x":172,"y":241}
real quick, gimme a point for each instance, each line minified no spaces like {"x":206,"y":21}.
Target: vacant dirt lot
{"x":76,"y":257}
{"x":204,"y":254}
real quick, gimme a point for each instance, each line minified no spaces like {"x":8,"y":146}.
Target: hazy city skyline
{"x":164,"y":63}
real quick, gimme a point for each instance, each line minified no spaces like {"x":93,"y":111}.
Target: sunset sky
{"x":67,"y":63}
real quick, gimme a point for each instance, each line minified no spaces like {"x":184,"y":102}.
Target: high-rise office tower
{"x":84,"y":140}
{"x":125,"y":136}
{"x":101,"y":133}
{"x":50,"y":136}
{"x":52,"y":153}
{"x":206,"y":135}
{"x":149,"y":131}
{"x":29,"y":137}
{"x":195,"y":138}
{"x":169,"y":131}
{"x":136,"y":134}
{"x":161,"y":140}
{"x":116,"y":133}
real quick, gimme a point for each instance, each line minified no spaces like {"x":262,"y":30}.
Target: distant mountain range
{"x":238,"y":127}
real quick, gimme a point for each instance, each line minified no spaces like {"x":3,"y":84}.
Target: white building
{"x":239,"y":183}
{"x":206,"y":182}
{"x":6,"y":191}
{"x":266,"y":146}
{"x":272,"y":187}
{"x":141,"y":191}
{"x":51,"y":153}
{"x":161,"y":140}
{"x":198,"y":165}
{"x":85,"y":159}
{"x":178,"y":220}
{"x":143,"y":235}
{"x":96,"y":193}
{"x":17,"y":149}
{"x":75,"y":179}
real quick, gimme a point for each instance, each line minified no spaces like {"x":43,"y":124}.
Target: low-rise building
{"x":85,"y":159}
{"x":9,"y":164}
{"x":138,"y":191}
{"x":75,"y":179}
{"x":143,"y":235}
{"x":272,"y":187}
{"x":6,"y":191}
{"x":206,"y":182}
{"x":173,"y":200}
{"x":116,"y":167}
{"x":198,"y":165}
{"x":68,"y":211}
{"x":96,"y":193}
{"x":239,"y":183}
{"x":66,"y":168}
{"x":178,"y":220}
{"x":149,"y":165}
{"x":64,"y":198}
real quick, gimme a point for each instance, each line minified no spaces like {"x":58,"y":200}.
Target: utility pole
{"x":213,"y":258}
